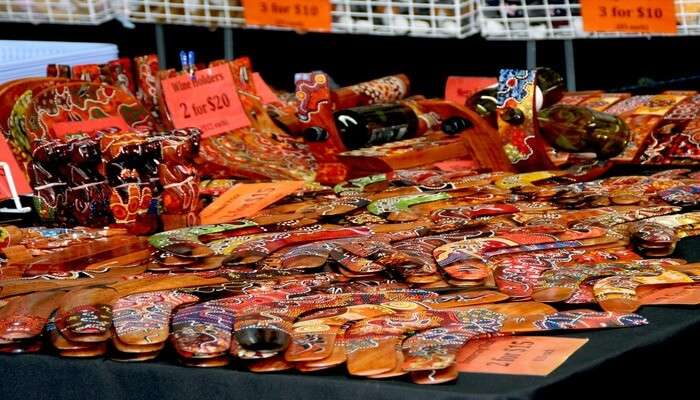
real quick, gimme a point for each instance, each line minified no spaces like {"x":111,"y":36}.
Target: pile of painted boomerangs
{"x":390,"y":274}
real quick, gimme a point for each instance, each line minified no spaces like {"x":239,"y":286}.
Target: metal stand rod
{"x":228,"y":43}
{"x":531,"y":54}
{"x":570,"y":65}
{"x":160,"y":45}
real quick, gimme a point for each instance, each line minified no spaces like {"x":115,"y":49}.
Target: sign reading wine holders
{"x":208,"y":101}
{"x":311,"y":15}
{"x":632,"y":16}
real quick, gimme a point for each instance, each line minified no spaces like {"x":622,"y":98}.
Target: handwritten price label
{"x":209,"y":102}
{"x":523,"y":355}
{"x":671,"y":294}
{"x":641,"y":16}
{"x":313,"y":15}
{"x":245,"y":199}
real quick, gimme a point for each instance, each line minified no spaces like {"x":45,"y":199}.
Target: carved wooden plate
{"x":82,"y":101}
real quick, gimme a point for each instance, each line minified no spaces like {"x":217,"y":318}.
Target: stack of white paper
{"x":24,"y":59}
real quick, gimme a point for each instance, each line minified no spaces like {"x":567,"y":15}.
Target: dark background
{"x":608,"y":64}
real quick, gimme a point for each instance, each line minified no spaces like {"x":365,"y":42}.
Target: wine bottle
{"x":376,"y":124}
{"x":484,"y":102}
{"x":581,"y":130}
{"x":549,"y":90}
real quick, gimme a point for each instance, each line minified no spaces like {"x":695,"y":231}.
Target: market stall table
{"x":613,"y":362}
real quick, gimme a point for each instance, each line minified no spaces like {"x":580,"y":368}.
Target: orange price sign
{"x":460,"y":88}
{"x":20,"y":179}
{"x":267,"y":95}
{"x":456,"y":165}
{"x":312,"y":15}
{"x":245,"y":199}
{"x":519,"y":355}
{"x":636,"y":16}
{"x":671,"y":294}
{"x":209,"y":102}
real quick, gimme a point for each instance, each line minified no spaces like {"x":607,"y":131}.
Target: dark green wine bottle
{"x":484,"y":102}
{"x":375,"y":124}
{"x":582,"y":130}
{"x":552,"y":86}
{"x":550,"y":89}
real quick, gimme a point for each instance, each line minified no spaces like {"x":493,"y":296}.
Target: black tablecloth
{"x":618,"y":362}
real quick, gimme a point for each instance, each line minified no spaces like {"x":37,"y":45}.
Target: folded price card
{"x":21,"y":183}
{"x":267,"y":95}
{"x":456,"y":165}
{"x":687,"y":294}
{"x":460,"y":88}
{"x":246,"y":199}
{"x":636,"y":16}
{"x":312,"y":15}
{"x":209,"y":101}
{"x":517,"y":355}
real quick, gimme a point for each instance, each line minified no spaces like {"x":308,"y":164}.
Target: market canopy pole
{"x":228,"y":43}
{"x":531,"y":54}
{"x":570,"y":65}
{"x":160,"y":45}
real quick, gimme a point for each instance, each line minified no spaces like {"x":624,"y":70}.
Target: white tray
{"x":23,"y":59}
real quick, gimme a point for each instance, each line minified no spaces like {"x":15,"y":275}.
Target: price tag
{"x":456,"y":165}
{"x":673,"y":294}
{"x":521,"y":355}
{"x":89,"y":126}
{"x":267,"y":95}
{"x":459,"y":88}
{"x":208,"y":102}
{"x":21,"y":183}
{"x":640,"y":16}
{"x":245,"y":199}
{"x":313,"y":15}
